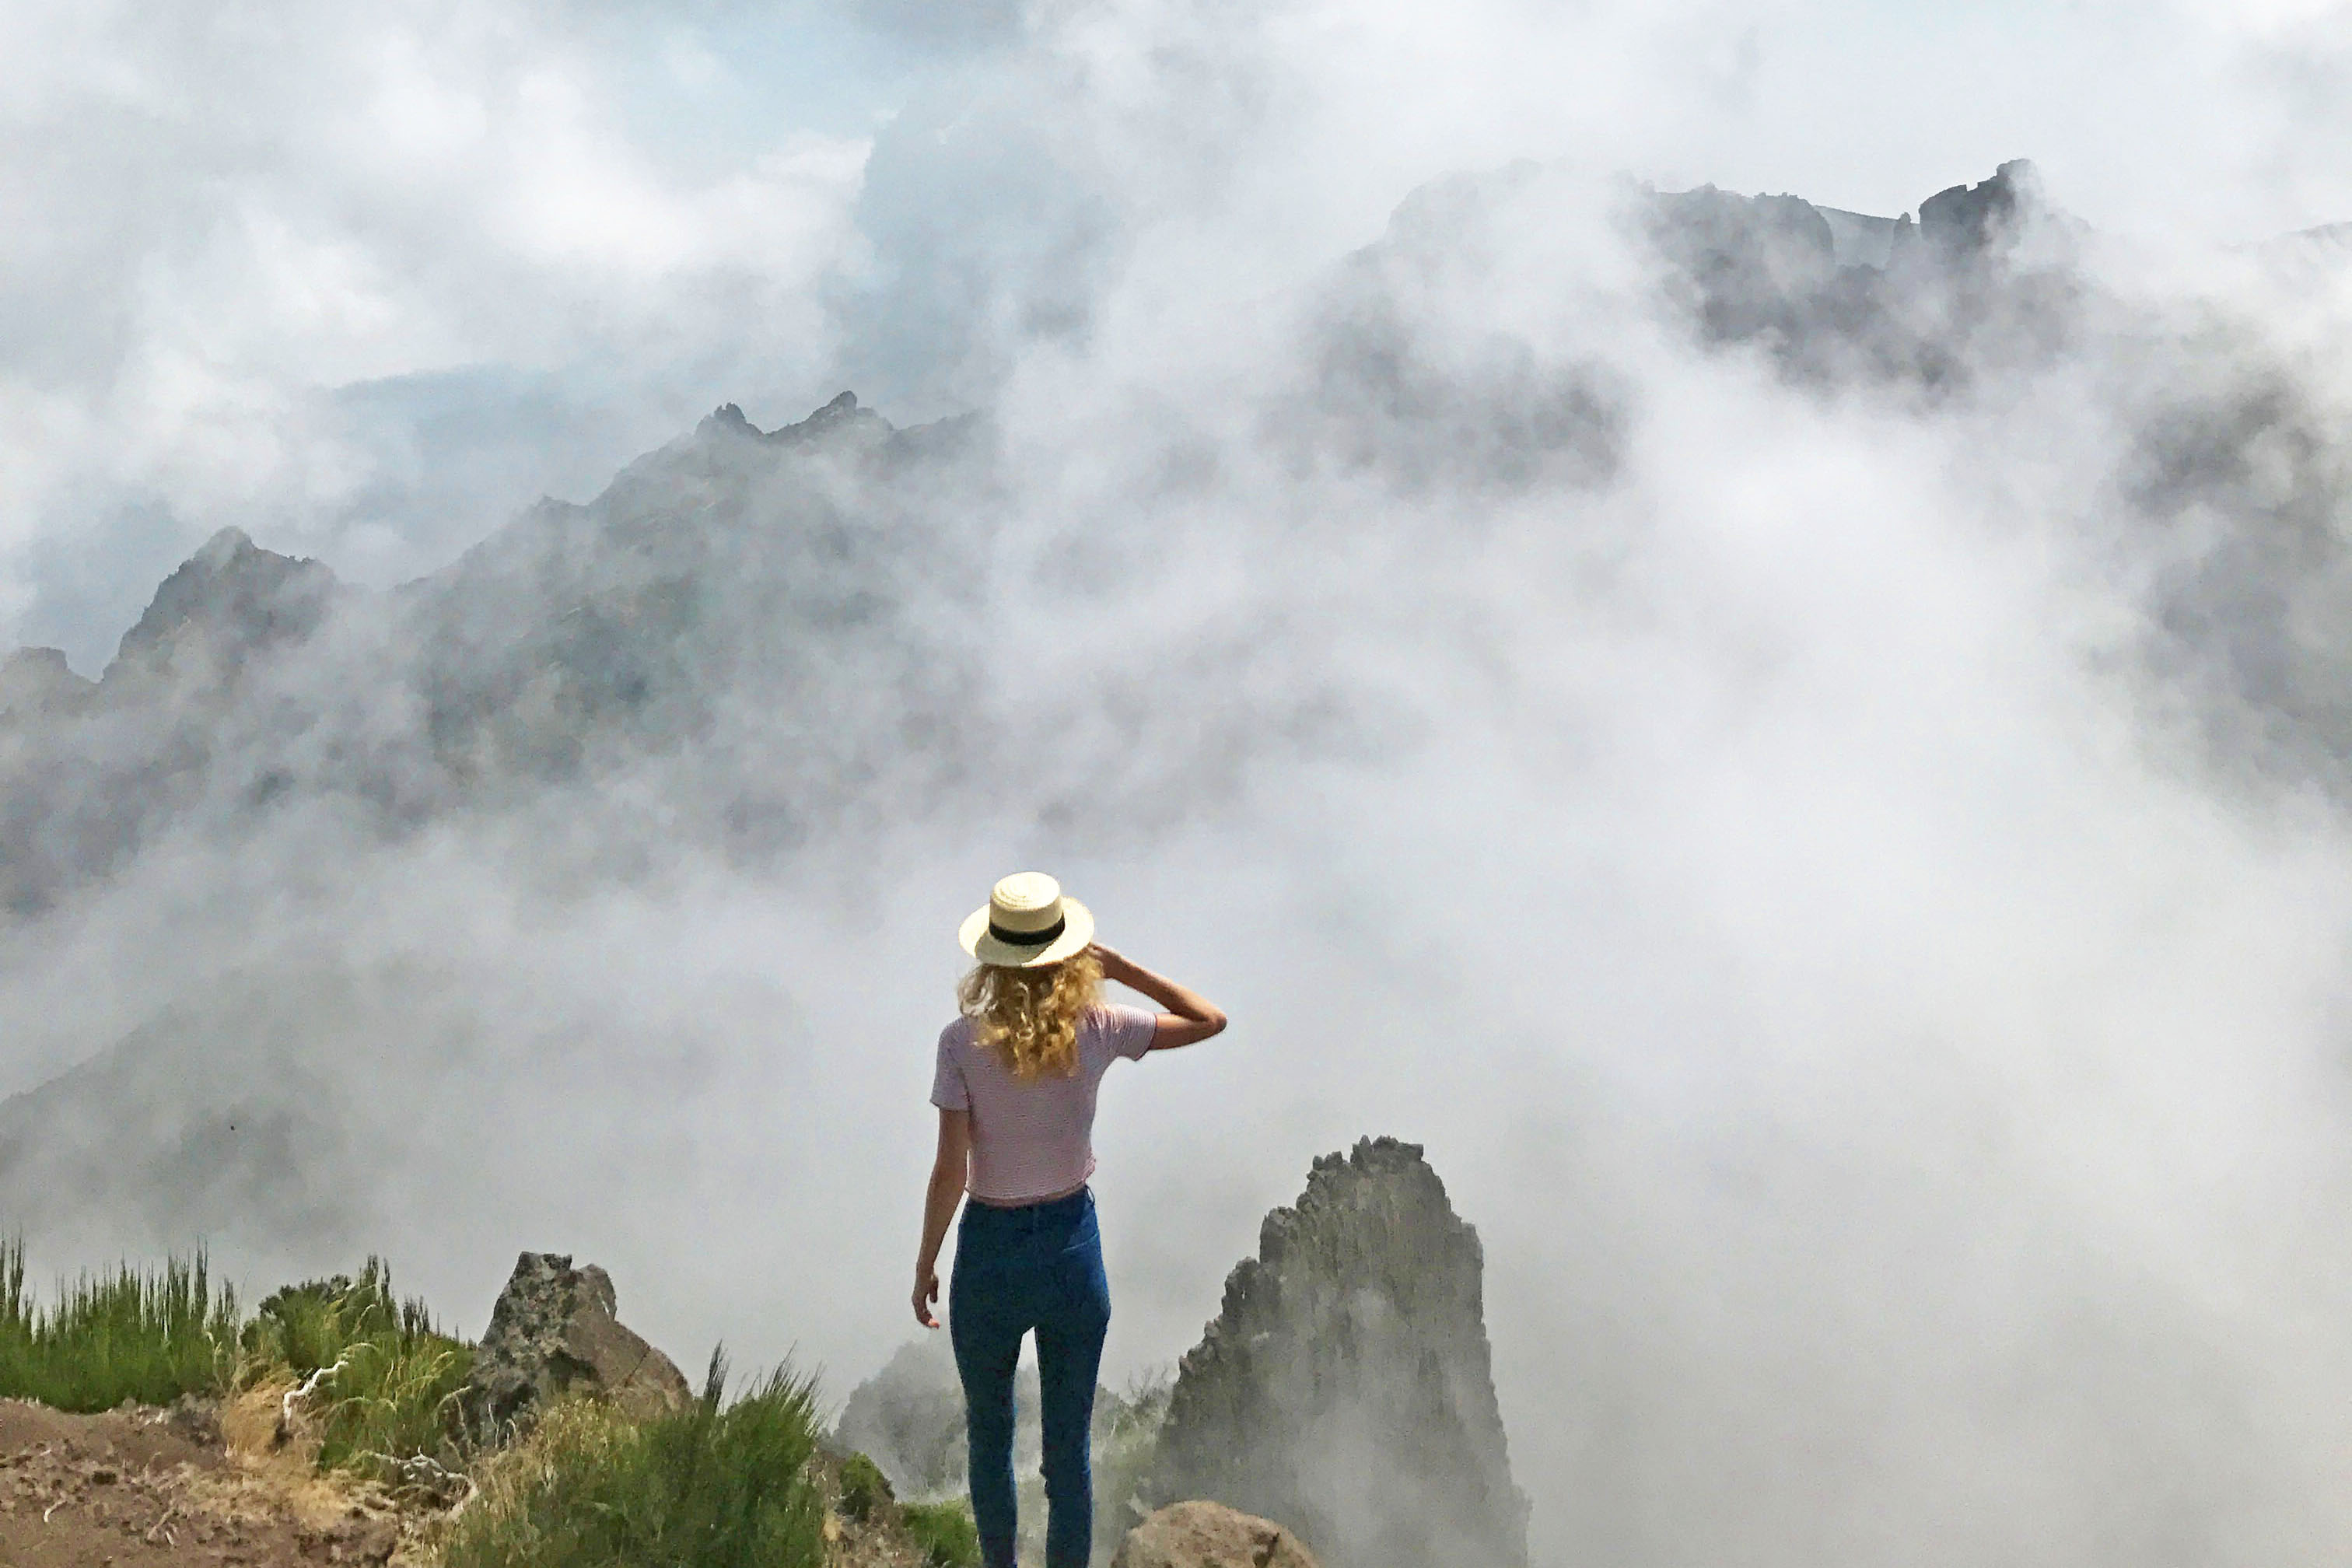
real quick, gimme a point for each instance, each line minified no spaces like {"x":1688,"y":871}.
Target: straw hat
{"x":1027,"y":923}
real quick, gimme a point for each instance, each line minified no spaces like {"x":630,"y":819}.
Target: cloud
{"x":663,"y":207}
{"x":1788,"y":844}
{"x":232,"y":217}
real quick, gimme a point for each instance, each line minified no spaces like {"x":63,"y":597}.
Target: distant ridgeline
{"x":767,"y":626}
{"x":574,"y":641}
{"x":1985,"y":276}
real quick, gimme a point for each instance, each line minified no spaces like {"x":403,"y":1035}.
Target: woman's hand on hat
{"x":1114,"y":965}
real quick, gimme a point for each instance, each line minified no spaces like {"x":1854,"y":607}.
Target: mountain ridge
{"x":771,"y":619}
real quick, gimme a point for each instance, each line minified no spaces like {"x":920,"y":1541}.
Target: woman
{"x":1015,"y":1090}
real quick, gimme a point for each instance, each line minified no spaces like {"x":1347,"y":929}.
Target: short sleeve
{"x":1130,"y":1030}
{"x":948,"y":1091}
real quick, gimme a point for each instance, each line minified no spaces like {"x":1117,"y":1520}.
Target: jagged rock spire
{"x":1346,"y":1390}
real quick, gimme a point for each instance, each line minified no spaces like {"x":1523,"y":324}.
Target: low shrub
{"x":307,"y":1326}
{"x":139,"y":1334}
{"x":714,"y":1486}
{"x":945,"y":1532}
{"x":865,"y":1489}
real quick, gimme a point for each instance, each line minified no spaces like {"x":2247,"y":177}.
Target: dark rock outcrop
{"x":1984,"y":278}
{"x":1346,"y":1389}
{"x":1965,"y":222}
{"x":1210,"y":1535}
{"x":841,"y":417}
{"x":554,"y":1333}
{"x":228,"y":601}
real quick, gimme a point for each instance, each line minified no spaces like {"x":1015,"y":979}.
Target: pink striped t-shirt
{"x":1034,"y":1139}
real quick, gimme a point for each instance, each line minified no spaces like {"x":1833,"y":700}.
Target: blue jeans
{"x":1017,"y":1270}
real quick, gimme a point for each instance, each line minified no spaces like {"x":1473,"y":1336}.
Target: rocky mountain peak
{"x":223,"y":549}
{"x":843,"y":415}
{"x":1346,"y":1389}
{"x":727,"y":419}
{"x":224,"y":603}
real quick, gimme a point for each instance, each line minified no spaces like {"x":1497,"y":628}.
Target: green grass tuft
{"x":145,"y":1335}
{"x":386,"y":1378}
{"x":305,"y":1327}
{"x":945,"y":1532}
{"x":714,"y":1486}
{"x":391,"y":1404}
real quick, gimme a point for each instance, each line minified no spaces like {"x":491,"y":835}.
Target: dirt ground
{"x":158,"y":1489}
{"x":198,"y":1486}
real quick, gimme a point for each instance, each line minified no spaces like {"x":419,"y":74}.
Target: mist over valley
{"x":1800,"y":754}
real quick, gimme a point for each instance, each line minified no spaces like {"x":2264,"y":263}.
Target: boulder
{"x":1199,"y":1534}
{"x":1346,"y":1388}
{"x":554,"y":1333}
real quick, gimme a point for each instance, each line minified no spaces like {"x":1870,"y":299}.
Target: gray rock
{"x":1346,"y":1389}
{"x":1210,"y":1535}
{"x":553,"y":1335}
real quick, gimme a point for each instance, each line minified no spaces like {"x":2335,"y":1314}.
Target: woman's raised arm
{"x":1188,"y":1017}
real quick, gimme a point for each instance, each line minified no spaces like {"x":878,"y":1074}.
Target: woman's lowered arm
{"x":940,"y":1205}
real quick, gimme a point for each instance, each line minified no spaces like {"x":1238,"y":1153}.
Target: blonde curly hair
{"x":1029,"y":1018}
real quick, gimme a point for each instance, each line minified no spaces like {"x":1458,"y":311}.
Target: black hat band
{"x":1028,"y":938}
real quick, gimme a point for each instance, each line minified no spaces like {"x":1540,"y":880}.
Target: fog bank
{"x":1815,"y":794}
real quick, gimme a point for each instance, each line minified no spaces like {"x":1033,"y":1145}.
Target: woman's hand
{"x":1189,"y":1015}
{"x":927,"y":1290}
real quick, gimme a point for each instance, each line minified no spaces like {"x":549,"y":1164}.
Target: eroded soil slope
{"x":156,"y":1488}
